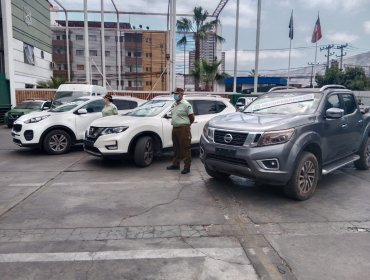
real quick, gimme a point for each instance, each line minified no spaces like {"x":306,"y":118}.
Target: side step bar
{"x":338,"y":164}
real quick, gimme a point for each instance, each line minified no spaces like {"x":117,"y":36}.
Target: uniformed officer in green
{"x":109,"y":108}
{"x":182,"y":118}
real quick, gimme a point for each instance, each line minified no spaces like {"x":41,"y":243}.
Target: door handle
{"x":344,"y":125}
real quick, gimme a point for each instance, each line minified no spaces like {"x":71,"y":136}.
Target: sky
{"x":342,"y":22}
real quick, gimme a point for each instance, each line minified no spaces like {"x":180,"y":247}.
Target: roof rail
{"x":281,"y":87}
{"x":332,"y":86}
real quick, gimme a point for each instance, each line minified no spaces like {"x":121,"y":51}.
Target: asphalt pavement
{"x":75,"y":216}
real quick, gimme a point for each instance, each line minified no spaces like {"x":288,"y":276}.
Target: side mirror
{"x":81,"y":111}
{"x":45,"y":108}
{"x":334,"y":113}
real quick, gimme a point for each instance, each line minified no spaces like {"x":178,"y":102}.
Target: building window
{"x":29,"y":86}
{"x":95,"y":82}
{"x":42,"y":54}
{"x":58,"y":37}
{"x":107,"y":53}
{"x":79,"y":37}
{"x":79,"y":52}
{"x":93,"y":53}
{"x":130,"y":83}
{"x":92,"y":37}
{"x":108,"y":67}
{"x":129,"y":54}
{"x":137,"y":54}
{"x":107,"y":38}
{"x":29,"y":56}
{"x":148,"y":69}
{"x":148,"y":40}
{"x":80,"y":67}
{"x":148,"y":83}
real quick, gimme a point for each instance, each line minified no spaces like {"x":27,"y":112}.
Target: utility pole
{"x":341,"y":47}
{"x":328,"y":47}
{"x":312,"y":65}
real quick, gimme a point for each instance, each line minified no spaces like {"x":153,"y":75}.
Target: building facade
{"x":141,"y":57}
{"x":26,"y":46}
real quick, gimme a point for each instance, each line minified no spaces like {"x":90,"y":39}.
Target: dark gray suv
{"x":289,"y":137}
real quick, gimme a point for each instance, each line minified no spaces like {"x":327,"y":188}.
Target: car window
{"x":241,"y":100}
{"x":205,"y":107}
{"x":124,"y":104}
{"x":349,"y":103}
{"x":332,"y":102}
{"x":94,"y":106}
{"x":220,"y":106}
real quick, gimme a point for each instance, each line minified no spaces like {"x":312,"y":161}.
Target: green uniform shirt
{"x":180,"y":113}
{"x":109,"y":110}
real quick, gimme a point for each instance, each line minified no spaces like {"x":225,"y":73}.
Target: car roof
{"x":192,"y":97}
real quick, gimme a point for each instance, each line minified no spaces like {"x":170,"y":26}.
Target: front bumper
{"x":26,"y":135}
{"x":248,"y":161}
{"x":108,"y":146}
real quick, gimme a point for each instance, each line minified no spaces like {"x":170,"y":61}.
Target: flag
{"x":316,"y":35}
{"x":291,"y":31}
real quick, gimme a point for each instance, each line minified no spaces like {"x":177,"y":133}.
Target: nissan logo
{"x":228,"y":138}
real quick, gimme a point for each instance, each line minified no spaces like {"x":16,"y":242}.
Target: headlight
{"x":37,"y":119}
{"x":113,"y":130}
{"x":208,"y":132}
{"x":276,"y":137}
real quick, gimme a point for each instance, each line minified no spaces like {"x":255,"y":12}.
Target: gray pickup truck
{"x":289,"y":137}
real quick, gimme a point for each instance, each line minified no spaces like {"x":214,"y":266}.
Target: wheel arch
{"x":156,"y":138}
{"x":60,"y":127}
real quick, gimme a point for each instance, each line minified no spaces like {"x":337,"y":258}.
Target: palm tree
{"x":52,"y":83}
{"x":207,"y":73}
{"x":201,"y":29}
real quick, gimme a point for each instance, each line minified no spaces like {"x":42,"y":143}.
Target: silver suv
{"x":289,"y":137}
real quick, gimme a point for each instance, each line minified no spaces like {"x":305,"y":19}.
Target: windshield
{"x":285,"y":103}
{"x":150,"y":108}
{"x":29,"y":105}
{"x":62,"y":97}
{"x":69,"y":106}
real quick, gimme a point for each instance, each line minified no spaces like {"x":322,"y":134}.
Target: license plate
{"x":225,"y":152}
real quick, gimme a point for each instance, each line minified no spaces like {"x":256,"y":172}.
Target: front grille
{"x":17,"y":127}
{"x":227,"y":159}
{"x":238,"y":139}
{"x":93,"y":132}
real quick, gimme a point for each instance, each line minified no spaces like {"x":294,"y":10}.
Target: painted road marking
{"x":217,"y":253}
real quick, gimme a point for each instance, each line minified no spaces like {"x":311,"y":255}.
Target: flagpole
{"x":314,"y":66}
{"x":290,"y":49}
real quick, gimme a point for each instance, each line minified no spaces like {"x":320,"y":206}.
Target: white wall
{"x":30,"y":74}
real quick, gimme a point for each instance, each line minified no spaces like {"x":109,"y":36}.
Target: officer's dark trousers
{"x":181,"y":138}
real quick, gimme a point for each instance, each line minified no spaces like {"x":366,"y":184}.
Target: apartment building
{"x":142,"y":55}
{"x":25,"y":52}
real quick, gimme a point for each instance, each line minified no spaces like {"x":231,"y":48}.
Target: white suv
{"x":56,"y":130}
{"x":145,"y":131}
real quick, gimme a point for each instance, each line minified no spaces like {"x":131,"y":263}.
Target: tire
{"x":216,"y":174}
{"x":57,"y":142}
{"x":304,"y":180}
{"x":363,"y":163}
{"x":144,"y":151}
{"x":9,"y":125}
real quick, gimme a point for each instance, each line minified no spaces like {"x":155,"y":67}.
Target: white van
{"x":68,"y":92}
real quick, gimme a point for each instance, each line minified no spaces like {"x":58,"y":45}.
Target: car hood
{"x":34,"y":115}
{"x":259,"y":122}
{"x":113,"y":121}
{"x":22,"y":111}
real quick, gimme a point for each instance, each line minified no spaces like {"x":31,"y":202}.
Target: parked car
{"x":146,"y":131}
{"x":289,"y":137}
{"x":25,"y":107}
{"x":57,"y":129}
{"x":68,"y":92}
